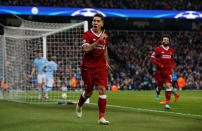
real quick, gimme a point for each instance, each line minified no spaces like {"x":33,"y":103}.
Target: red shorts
{"x":163,"y":77}
{"x":94,"y":76}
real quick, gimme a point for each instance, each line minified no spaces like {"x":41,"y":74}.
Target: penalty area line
{"x":151,"y":110}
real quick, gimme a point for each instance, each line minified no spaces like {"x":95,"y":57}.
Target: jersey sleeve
{"x":86,"y":39}
{"x":154,"y":56}
{"x":35,"y":62}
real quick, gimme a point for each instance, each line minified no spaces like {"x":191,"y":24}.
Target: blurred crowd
{"x":150,"y":4}
{"x":130,"y":58}
{"x":121,"y":4}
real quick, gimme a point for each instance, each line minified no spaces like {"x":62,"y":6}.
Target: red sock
{"x":168,"y":95}
{"x":81,"y":100}
{"x":102,"y":105}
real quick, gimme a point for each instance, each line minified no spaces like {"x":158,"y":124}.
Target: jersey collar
{"x":165,"y":48}
{"x":95,"y":33}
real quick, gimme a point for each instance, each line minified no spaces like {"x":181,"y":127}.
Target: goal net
{"x":19,"y":46}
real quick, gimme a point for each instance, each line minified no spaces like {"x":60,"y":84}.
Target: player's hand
{"x":103,"y":36}
{"x":108,"y":67}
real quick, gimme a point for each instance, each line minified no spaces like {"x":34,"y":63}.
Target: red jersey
{"x":163,"y":58}
{"x":95,"y":57}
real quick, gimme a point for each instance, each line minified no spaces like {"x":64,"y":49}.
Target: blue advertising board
{"x":89,"y":12}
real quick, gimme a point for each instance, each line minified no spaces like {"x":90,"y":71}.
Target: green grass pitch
{"x":126,"y":110}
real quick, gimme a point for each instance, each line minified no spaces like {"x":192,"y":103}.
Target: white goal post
{"x":19,"y":46}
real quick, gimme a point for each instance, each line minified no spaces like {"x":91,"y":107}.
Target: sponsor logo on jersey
{"x":99,"y":46}
{"x":166,"y":56}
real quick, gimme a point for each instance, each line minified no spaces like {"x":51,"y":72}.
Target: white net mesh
{"x":1,"y":44}
{"x":1,"y":60}
{"x":21,"y":45}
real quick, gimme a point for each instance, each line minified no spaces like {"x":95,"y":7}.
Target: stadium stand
{"x":131,"y":51}
{"x":122,"y":4}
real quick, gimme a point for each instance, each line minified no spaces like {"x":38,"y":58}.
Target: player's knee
{"x":88,"y":94}
{"x":168,"y":85}
{"x":101,"y":90}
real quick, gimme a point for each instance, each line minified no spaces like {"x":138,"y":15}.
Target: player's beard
{"x":165,"y":44}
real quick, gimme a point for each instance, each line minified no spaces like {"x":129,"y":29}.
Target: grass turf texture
{"x":52,"y":117}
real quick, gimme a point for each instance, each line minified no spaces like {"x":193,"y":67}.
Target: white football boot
{"x":78,"y":111}
{"x":102,"y":121}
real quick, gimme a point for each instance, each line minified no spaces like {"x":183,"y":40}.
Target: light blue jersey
{"x":39,"y":64}
{"x":51,"y":66}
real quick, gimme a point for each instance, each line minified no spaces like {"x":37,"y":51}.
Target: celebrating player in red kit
{"x":94,"y":66}
{"x":162,"y":57}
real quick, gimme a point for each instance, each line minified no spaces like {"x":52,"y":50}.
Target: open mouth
{"x":95,"y":26}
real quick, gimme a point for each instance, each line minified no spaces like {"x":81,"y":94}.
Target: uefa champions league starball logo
{"x":34,"y":10}
{"x":189,"y":15}
{"x":88,"y":12}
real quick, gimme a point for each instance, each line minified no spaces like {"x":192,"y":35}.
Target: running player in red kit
{"x":162,"y":57}
{"x":94,"y":66}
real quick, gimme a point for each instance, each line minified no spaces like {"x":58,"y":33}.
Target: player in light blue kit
{"x":50,"y":69}
{"x":39,"y":64}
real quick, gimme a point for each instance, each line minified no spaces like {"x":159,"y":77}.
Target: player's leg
{"x":159,"y":84}
{"x":174,"y":92}
{"x":167,"y":79}
{"x":102,"y":105}
{"x":39,"y":85}
{"x":86,"y":74}
{"x":43,"y":86}
{"x":84,"y":96}
{"x":176,"y":97}
{"x":168,"y":94}
{"x":158,"y":91}
{"x":49,"y":85}
{"x":101,"y":82}
{"x":39,"y":90}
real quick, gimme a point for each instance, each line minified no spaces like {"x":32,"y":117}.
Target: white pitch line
{"x":194,"y":97}
{"x":151,"y":110}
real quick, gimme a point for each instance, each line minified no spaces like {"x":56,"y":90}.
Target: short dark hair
{"x":54,"y":58}
{"x":166,"y":35}
{"x":99,"y":15}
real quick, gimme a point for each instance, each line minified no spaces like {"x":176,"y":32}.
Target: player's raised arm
{"x":89,"y":47}
{"x":86,"y":46}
